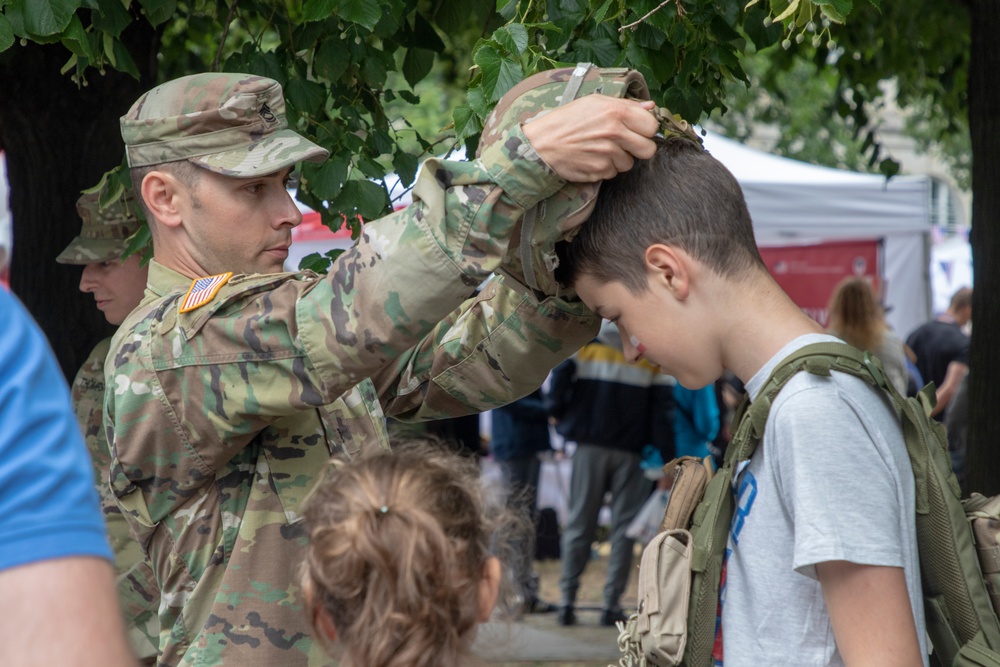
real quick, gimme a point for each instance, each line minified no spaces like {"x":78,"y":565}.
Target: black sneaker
{"x":567,"y":616}
{"x":611,"y":616}
{"x":537,"y":605}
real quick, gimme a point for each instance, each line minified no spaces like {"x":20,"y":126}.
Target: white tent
{"x":794,"y":203}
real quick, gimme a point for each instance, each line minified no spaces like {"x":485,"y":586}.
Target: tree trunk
{"x":984,"y":123}
{"x":60,"y":139}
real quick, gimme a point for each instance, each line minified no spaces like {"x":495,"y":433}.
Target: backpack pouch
{"x":664,"y":593}
{"x":974,"y":655}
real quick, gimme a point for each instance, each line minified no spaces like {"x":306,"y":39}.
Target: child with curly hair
{"x":399,"y":570}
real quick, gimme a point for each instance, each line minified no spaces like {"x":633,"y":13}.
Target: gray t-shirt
{"x":831,"y":480}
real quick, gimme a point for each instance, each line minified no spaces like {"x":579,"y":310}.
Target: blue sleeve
{"x":706,"y":413}
{"x":48,"y":504}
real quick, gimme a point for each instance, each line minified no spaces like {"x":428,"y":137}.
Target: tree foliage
{"x":345,"y":63}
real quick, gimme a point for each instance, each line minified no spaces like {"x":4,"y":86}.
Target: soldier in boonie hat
{"x":105,"y":231}
{"x":117,"y":284}
{"x":232,"y":124}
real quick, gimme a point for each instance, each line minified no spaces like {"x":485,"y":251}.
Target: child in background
{"x":822,"y":565}
{"x":399,"y":571}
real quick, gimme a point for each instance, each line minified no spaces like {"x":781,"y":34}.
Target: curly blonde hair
{"x":398,"y":546}
{"x":855,"y":315}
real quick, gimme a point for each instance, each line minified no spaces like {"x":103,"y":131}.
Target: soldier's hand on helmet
{"x":594,"y":137}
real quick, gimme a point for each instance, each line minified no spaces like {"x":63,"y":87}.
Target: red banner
{"x":809,"y":273}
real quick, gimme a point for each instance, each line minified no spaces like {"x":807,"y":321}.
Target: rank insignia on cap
{"x":203,"y":290}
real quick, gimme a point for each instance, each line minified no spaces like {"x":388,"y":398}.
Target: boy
{"x":822,"y":566}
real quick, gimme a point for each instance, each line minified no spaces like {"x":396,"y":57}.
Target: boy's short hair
{"x":683,"y":197}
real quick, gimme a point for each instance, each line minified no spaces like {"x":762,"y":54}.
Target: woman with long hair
{"x":856,"y":316}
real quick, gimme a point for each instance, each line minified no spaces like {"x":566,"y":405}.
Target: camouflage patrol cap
{"x":232,"y":124}
{"x":105,"y":231}
{"x":534,"y":97}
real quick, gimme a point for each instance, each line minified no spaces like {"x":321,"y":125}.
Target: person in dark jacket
{"x":611,"y":409}
{"x":520,"y":432}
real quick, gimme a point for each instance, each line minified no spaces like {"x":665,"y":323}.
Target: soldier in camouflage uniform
{"x":232,"y":384}
{"x":117,"y":286}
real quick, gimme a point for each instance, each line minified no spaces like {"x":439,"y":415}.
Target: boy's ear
{"x":162,"y":193}
{"x":669,"y":267}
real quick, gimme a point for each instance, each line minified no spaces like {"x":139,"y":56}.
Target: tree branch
{"x":635,"y":24}
{"x":225,"y":32}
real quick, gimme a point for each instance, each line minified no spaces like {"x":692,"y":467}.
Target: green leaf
{"x":417,"y":63}
{"x":762,"y":36}
{"x":374,"y":70}
{"x":602,"y":51}
{"x":123,"y":59}
{"x":509,"y":76}
{"x":506,"y":8}
{"x":408,"y":96}
{"x":140,"y":242}
{"x":477,"y":100}
{"x":362,"y":12}
{"x":74,"y":38}
{"x":362,"y":196}
{"x":603,"y":11}
{"x":306,"y":96}
{"x":6,"y":33}
{"x":648,"y":37}
{"x":317,"y":10}
{"x":380,"y":142}
{"x":406,"y":166}
{"x":332,"y":59}
{"x":488,"y":60}
{"x":41,"y":18}
{"x":512,"y":37}
{"x":267,"y":64}
{"x":315,"y":262}
{"x":424,"y":35}
{"x":888,"y":167}
{"x":466,"y":122}
{"x":724,"y":32}
{"x":111,"y":17}
{"x":158,"y":11}
{"x":326,"y":179}
{"x":836,"y":10}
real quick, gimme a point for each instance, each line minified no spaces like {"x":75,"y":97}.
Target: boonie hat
{"x":232,"y":124}
{"x":105,"y":231}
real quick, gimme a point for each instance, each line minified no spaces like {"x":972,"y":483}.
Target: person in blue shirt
{"x":696,"y":420}
{"x":57,"y":587}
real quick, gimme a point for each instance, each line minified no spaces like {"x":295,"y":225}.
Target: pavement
{"x":538,"y":639}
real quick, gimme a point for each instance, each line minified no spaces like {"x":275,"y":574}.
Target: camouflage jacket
{"x":221,"y":418}
{"x":136,"y":588}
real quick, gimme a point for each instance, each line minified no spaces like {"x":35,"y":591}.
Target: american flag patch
{"x":203,"y":290}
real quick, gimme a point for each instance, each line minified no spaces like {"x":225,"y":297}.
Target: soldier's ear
{"x":163,"y":195}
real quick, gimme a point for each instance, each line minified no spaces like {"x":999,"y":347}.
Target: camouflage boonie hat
{"x":105,"y":231}
{"x":232,"y":124}
{"x":534,"y":97}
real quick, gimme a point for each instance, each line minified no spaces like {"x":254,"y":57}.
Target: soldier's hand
{"x":594,"y":137}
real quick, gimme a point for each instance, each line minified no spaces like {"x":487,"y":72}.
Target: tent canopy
{"x":794,"y":203}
